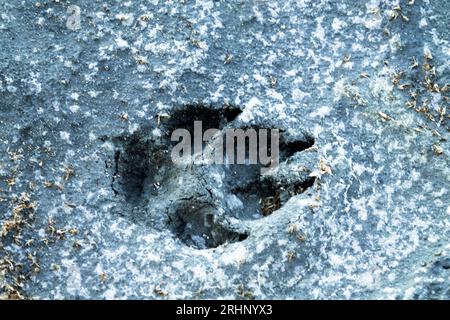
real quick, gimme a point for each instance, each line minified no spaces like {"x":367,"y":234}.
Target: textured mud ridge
{"x":151,"y":186}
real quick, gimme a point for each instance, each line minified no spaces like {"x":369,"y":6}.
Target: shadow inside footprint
{"x":185,"y":198}
{"x":195,"y":224}
{"x":256,"y":198}
{"x":253,"y":196}
{"x":140,"y":167}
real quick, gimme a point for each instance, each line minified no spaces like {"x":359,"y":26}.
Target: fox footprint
{"x":204,"y":205}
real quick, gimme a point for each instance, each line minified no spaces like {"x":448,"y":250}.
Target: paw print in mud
{"x":207,"y":199}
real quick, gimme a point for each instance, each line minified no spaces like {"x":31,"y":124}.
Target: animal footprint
{"x":203,"y":205}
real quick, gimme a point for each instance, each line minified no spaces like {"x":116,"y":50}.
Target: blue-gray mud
{"x":91,"y":206}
